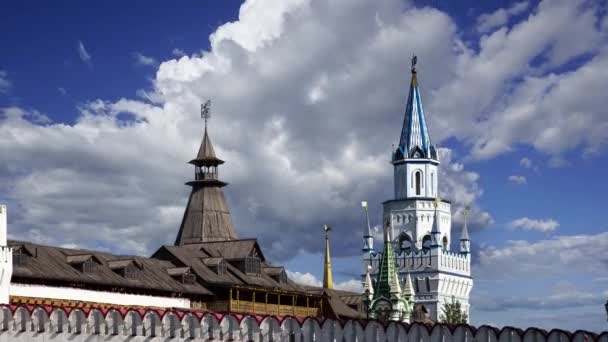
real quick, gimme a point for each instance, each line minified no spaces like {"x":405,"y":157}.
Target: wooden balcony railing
{"x":242,"y":306}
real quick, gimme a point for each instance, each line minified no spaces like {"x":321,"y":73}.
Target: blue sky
{"x":98,"y":115}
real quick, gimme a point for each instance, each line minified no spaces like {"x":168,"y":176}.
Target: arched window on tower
{"x":445,"y":243}
{"x":426,"y":241}
{"x":405,"y":242}
{"x":418,"y":181}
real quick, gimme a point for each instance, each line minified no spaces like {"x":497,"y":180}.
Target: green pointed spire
{"x":388,"y":267}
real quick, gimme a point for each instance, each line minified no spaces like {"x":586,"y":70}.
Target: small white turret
{"x":408,"y":289}
{"x":368,"y":286}
{"x":435,"y":232}
{"x":465,"y":242}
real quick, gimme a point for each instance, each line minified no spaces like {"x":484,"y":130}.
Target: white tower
{"x":421,"y":222}
{"x":6,"y":259}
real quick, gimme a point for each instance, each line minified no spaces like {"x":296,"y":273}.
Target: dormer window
{"x":126,"y":268}
{"x":21,"y":255}
{"x":276,"y":273}
{"x":250,"y":265}
{"x":85,"y":263}
{"x":217,"y":265}
{"x":253,"y":265}
{"x":183,"y":275}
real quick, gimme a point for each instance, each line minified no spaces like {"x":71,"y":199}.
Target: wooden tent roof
{"x":207,"y":217}
{"x":206,"y":153}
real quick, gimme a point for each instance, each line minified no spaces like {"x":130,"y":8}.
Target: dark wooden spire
{"x":206,"y":154}
{"x":207,"y":217}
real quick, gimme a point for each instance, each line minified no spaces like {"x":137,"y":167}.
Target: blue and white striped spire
{"x":415,"y":134}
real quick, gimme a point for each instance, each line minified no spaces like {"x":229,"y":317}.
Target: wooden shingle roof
{"x":116,"y":264}
{"x":230,"y":249}
{"x":207,"y":217}
{"x":206,"y":153}
{"x":339,"y":301}
{"x":49,"y":265}
{"x":194,"y":256}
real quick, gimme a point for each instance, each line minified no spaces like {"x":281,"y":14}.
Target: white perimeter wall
{"x":69,"y":293}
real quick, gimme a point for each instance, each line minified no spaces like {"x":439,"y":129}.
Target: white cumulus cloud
{"x":306,"y":278}
{"x":525,"y":162}
{"x":518,"y":179}
{"x":500,"y":17}
{"x":141,"y":59}
{"x":84,"y":55}
{"x":546,"y":225}
{"x":544,"y":258}
{"x":178,"y":52}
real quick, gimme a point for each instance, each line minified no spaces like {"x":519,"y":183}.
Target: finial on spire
{"x":206,"y":111}
{"x":368,"y":239}
{"x":437,"y":201}
{"x":464,"y":235}
{"x":414,"y":62}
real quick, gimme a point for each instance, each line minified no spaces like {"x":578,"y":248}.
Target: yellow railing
{"x":270,"y":309}
{"x":218,"y":306}
{"x":240,"y":306}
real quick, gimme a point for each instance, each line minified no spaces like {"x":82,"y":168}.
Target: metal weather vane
{"x":206,"y":111}
{"x":414,"y":62}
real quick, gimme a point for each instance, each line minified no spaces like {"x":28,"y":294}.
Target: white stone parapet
{"x":437,"y":258}
{"x":26,"y":323}
{"x":105,"y":297}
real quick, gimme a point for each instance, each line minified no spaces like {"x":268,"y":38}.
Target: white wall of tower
{"x":415,"y":217}
{"x":416,"y":178}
